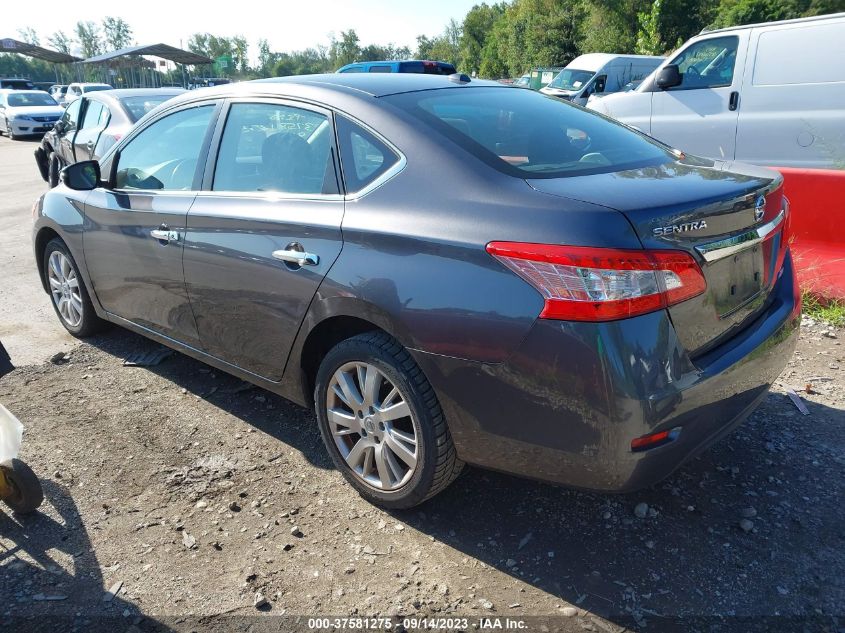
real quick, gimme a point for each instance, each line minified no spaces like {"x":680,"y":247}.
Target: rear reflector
{"x":654,"y":440}
{"x":601,"y":284}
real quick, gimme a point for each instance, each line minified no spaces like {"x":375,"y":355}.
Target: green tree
{"x":88,"y":36}
{"x":345,"y":50}
{"x":61,"y":42}
{"x":29,"y":36}
{"x":477,"y":28}
{"x":648,"y":36}
{"x":116,"y":33}
{"x":266,"y":58}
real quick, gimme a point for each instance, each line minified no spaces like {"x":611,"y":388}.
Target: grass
{"x":828,"y":310}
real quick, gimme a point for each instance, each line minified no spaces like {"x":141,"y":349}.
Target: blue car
{"x":422,"y":67}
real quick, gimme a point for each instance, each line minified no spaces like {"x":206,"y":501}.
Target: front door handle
{"x":301,"y":258}
{"x":165,"y":235}
{"x":733,"y":104}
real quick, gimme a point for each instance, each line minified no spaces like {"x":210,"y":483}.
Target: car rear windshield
{"x":137,"y":107}
{"x":528,"y":135}
{"x":26,"y":99}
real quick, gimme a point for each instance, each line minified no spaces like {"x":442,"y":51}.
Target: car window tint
{"x":269,"y":147}
{"x":380,"y":69}
{"x":139,"y":106}
{"x":164,"y":155}
{"x":364,"y":157}
{"x":707,"y":64}
{"x":92,"y":115}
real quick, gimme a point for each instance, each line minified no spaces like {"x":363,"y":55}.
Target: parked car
{"x":599,"y":74}
{"x":401,"y":66}
{"x":522,"y":82}
{"x":16,"y":83}
{"x":91,"y":125}
{"x":769,"y":94}
{"x":58,"y":92}
{"x":449,"y":271}
{"x":76,"y":90}
{"x":27,"y":112}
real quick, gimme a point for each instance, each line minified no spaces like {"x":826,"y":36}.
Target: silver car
{"x":27,"y":112}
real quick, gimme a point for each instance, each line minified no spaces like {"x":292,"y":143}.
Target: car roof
{"x":374,"y":85}
{"x":768,"y":25}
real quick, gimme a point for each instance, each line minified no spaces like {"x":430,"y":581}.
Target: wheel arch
{"x":42,"y":238}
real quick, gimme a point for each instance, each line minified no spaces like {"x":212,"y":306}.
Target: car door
{"x":263,"y":233}
{"x":700,"y":115}
{"x":69,"y":125}
{"x":135,"y":228}
{"x":94,"y":120}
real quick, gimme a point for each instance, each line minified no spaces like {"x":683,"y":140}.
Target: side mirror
{"x":60,"y":126}
{"x":82,"y":176}
{"x":600,"y":84}
{"x":669,"y":77}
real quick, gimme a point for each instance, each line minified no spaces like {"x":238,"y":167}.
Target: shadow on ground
{"x":751,"y":528}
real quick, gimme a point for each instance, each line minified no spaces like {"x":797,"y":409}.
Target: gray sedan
{"x":449,"y":271}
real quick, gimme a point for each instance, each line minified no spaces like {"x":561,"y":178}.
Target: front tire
{"x":53,"y":169}
{"x":382,"y":424}
{"x":67,"y":291}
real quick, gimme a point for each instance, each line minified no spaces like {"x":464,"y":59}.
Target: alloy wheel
{"x":372,"y":426}
{"x":64,"y":288}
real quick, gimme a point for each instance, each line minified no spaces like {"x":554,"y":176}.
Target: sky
{"x":287,"y":25}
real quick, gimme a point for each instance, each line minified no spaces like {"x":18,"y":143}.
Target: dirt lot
{"x":176,"y":494}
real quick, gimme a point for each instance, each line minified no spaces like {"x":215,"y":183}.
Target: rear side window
{"x":364,"y":157}
{"x":164,"y":155}
{"x":96,"y":115}
{"x":380,"y":69}
{"x":275,"y":147}
{"x":526,"y":134}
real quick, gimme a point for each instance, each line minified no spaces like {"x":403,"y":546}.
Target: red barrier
{"x":817,"y":204}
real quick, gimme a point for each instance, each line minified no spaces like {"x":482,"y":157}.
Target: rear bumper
{"x":565,"y":407}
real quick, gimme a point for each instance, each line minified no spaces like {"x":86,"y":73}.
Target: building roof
{"x":165,"y":51}
{"x":9,"y":45}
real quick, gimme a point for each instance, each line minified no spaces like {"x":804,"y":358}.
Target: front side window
{"x":529,"y":135}
{"x":707,"y":64}
{"x":380,"y":69}
{"x":71,"y":115}
{"x":165,"y":154}
{"x":364,"y":157}
{"x":274,"y":147}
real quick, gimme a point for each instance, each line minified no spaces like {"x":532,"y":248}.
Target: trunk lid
{"x":726,"y":215}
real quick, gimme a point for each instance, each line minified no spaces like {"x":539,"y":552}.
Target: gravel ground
{"x":177,"y":497}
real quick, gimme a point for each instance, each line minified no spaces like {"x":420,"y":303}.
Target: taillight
{"x":602,"y":284}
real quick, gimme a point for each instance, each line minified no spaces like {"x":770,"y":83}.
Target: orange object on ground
{"x":817,"y":223}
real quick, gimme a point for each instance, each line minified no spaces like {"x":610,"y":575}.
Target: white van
{"x":771,"y":94}
{"x":599,"y":74}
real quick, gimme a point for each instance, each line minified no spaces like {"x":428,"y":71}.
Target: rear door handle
{"x":733,"y":104}
{"x":300,"y":258}
{"x":165,"y":235}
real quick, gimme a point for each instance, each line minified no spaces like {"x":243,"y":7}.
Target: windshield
{"x":529,"y":135}
{"x":137,"y":107}
{"x":571,"y":79}
{"x":95,"y":88}
{"x":26,"y":99}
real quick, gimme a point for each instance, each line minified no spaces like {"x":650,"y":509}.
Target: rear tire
{"x":387,"y":437}
{"x":27,"y":492}
{"x":68,"y":293}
